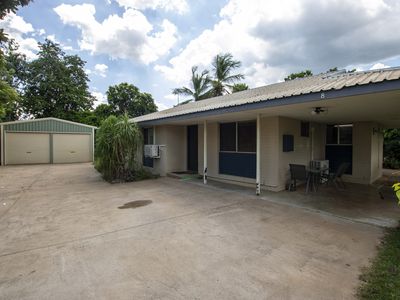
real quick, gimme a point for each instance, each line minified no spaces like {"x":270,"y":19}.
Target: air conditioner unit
{"x":152,"y":151}
{"x":321,"y":165}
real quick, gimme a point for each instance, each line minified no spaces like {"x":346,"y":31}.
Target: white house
{"x":252,"y":136}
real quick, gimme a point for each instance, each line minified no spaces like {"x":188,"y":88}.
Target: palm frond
{"x":183,"y":91}
{"x":223,"y":66}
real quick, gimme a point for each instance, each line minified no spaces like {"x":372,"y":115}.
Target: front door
{"x":192,"y":148}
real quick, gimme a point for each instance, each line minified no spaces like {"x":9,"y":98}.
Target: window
{"x":247,"y":137}
{"x":288,"y":143}
{"x":305,"y":129}
{"x":331,"y":135}
{"x":147,"y":140}
{"x":227,"y":136}
{"x":339,"y":134}
{"x":148,"y":136}
{"x":346,"y":135}
{"x":238,"y":137}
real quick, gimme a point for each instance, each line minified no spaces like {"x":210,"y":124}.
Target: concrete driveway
{"x":66,"y":234}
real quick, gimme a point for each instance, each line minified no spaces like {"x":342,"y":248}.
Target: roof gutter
{"x":370,"y":88}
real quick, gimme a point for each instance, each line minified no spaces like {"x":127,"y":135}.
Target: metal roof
{"x":301,"y":86}
{"x":41,"y":120}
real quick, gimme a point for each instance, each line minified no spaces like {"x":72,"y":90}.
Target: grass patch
{"x":382,"y":279}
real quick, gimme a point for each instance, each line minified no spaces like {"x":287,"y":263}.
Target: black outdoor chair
{"x":336,"y":177}
{"x":297,"y":173}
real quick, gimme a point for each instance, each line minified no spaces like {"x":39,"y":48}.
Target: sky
{"x":153,"y":43}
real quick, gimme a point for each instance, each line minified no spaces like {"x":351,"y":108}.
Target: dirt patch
{"x":135,"y":204}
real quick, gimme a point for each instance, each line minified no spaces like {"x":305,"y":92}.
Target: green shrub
{"x":391,"y":149}
{"x":117,"y":152}
{"x":381,"y":280}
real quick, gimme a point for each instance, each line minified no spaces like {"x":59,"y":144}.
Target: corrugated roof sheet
{"x":301,"y":86}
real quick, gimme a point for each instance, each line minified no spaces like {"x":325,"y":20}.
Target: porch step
{"x":184,"y":175}
{"x":174,"y":175}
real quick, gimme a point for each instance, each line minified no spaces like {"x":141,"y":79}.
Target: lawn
{"x":382,"y":279}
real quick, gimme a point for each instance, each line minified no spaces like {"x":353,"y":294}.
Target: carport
{"x":46,"y":141}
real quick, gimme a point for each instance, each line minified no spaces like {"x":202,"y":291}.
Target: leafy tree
{"x":222,"y":67}
{"x":117,"y":149}
{"x":200,"y":86}
{"x":56,"y":84}
{"x":102,"y":112}
{"x":301,"y":74}
{"x":7,"y":6}
{"x":13,"y":73}
{"x":391,"y":148}
{"x":334,"y":69}
{"x":16,"y":65}
{"x":92,"y":117}
{"x":127,"y":98}
{"x":9,"y":97}
{"x":238,"y":87}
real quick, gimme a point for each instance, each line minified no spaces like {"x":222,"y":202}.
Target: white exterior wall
{"x":367,"y":151}
{"x":302,"y":149}
{"x":270,"y":153}
{"x":274,"y":163}
{"x":173,"y":157}
{"x":377,"y":157}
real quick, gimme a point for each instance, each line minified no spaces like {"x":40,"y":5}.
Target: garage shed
{"x":46,"y":141}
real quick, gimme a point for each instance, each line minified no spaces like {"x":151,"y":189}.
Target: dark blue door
{"x":192,"y":148}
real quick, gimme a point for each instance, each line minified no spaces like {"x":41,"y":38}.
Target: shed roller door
{"x":27,"y":148}
{"x":72,"y":148}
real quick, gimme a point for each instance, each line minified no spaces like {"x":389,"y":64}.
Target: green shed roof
{"x":47,"y":125}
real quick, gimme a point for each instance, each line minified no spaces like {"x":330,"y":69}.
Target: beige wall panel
{"x":302,"y":149}
{"x":376,"y":154}
{"x":173,"y":156}
{"x":269,"y":152}
{"x":27,"y":148}
{"x":72,"y":148}
{"x":319,"y":132}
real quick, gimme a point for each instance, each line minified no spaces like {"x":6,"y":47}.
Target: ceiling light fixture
{"x":318,"y":110}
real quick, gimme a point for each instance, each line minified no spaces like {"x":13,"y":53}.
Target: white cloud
{"x":171,"y":97}
{"x":16,"y":27}
{"x":277,"y":37}
{"x":101,"y":69}
{"x":17,"y":24}
{"x":179,"y":6}
{"x":67,"y":48}
{"x":52,"y":38}
{"x":379,"y":66}
{"x":160,"y":105}
{"x":100,"y":98}
{"x":130,"y":36}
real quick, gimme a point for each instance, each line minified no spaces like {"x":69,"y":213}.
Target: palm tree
{"x":223,"y":65}
{"x":200,"y":86}
{"x":238,"y":87}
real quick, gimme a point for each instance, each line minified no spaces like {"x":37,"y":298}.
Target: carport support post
{"x":205,"y":152}
{"x":258,"y":157}
{"x":93,"y":144}
{"x":2,"y":145}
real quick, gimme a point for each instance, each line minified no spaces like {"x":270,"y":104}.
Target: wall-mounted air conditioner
{"x":152,"y":151}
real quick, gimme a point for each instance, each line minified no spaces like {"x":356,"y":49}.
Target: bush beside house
{"x":118,"y":145}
